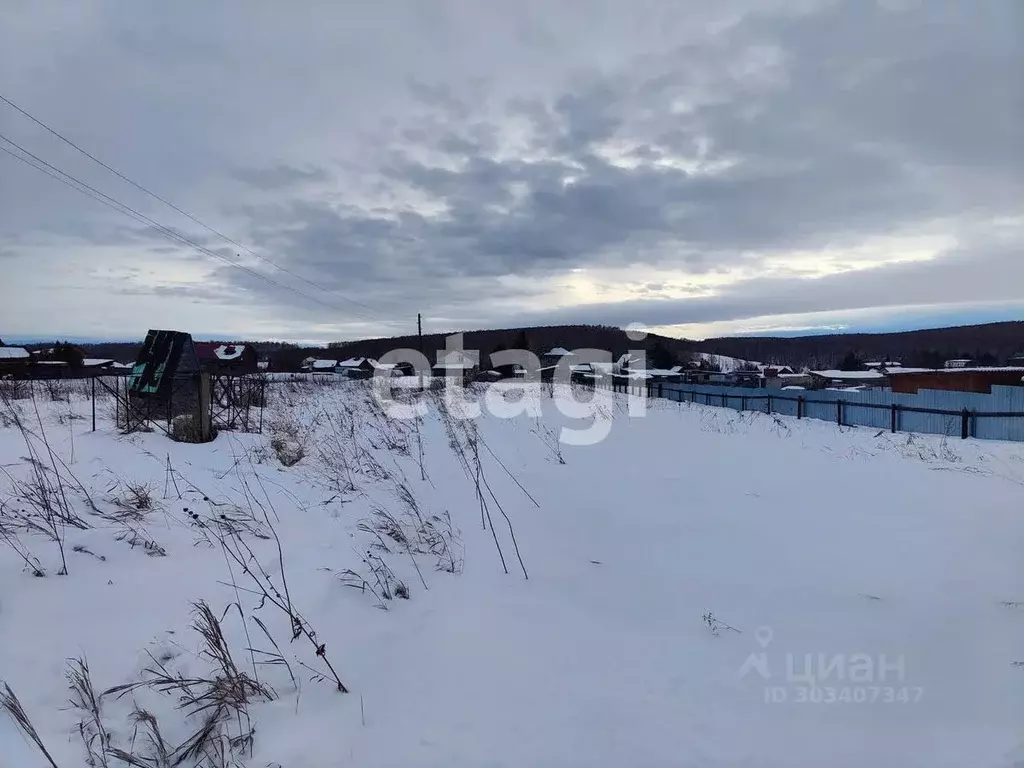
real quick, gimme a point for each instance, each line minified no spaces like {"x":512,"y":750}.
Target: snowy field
{"x":705,"y":588}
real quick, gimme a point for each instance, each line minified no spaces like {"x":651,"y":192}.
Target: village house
{"x":830,"y":379}
{"x":673,"y":374}
{"x":217,"y":357}
{"x":706,"y":376}
{"x":357,"y":367}
{"x":367,"y":367}
{"x":959,"y":379}
{"x":554,"y":356}
{"x":322,"y":367}
{"x":14,"y":360}
{"x":457,"y":364}
{"x":782,"y":380}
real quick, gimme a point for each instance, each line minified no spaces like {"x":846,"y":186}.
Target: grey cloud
{"x":950,"y":279}
{"x":806,"y":177}
{"x":280,"y":176}
{"x":807,"y":127}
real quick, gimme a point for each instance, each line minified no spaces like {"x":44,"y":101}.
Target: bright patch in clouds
{"x":698,"y":167}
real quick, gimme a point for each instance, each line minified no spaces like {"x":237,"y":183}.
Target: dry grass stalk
{"x":9,"y":703}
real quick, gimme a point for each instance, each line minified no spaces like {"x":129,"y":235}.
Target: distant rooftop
{"x":850,"y":375}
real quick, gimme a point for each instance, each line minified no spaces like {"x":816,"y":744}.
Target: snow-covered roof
{"x":323,"y":365}
{"x":51,"y":362}
{"x":660,"y":372}
{"x":92,"y":362}
{"x":229,"y":351}
{"x":457,"y":359}
{"x":726,"y":363}
{"x":355,"y":362}
{"x":994,"y":369}
{"x":883,"y":364}
{"x":592,"y":367}
{"x":215,"y":351}
{"x":14,"y":353}
{"x":557,"y":352}
{"x":849,"y":375}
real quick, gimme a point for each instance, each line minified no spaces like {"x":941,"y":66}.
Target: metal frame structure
{"x":168,"y":380}
{"x":232,"y":399}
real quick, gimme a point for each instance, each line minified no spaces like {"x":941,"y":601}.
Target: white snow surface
{"x":850,"y":375}
{"x":806,"y":537}
{"x":229,"y":351}
{"x":726,"y":363}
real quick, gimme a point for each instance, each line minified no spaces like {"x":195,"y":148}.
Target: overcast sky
{"x":703,"y":168}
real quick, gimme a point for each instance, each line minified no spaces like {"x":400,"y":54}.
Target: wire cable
{"x":80,"y":186}
{"x":171,"y":205}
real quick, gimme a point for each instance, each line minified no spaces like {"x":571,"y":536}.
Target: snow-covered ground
{"x":705,"y":589}
{"x":724,"y":362}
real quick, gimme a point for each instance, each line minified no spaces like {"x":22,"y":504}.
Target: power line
{"x":52,"y":175}
{"x":171,"y":205}
{"x":80,"y":186}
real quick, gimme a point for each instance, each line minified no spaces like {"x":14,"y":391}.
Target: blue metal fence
{"x":998,"y":416}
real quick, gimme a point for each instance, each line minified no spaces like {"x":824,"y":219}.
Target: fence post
{"x":769,"y":405}
{"x":839,"y":412}
{"x":800,"y":406}
{"x":93,"y":403}
{"x":743,"y":403}
{"x":659,"y":389}
{"x":725,"y":400}
{"x":965,"y":424}
{"x":205,"y":408}
{"x":892,"y":417}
